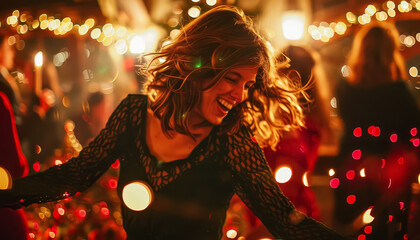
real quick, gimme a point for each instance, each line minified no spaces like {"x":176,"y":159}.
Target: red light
{"x":350,"y":174}
{"x":36,"y":166}
{"x":368,"y":229}
{"x":105,"y":212}
{"x":393,"y":137}
{"x":383,"y":163}
{"x":112,"y":183}
{"x":356,"y":154}
{"x":357,"y":132}
{"x":370,"y":129}
{"x":413,"y":132}
{"x":416,"y":142}
{"x":116,"y":164}
{"x":390,"y":217}
{"x":361,"y":237}
{"x":351,"y":199}
{"x":376,"y":131}
{"x":334,"y":183}
{"x":401,"y":205}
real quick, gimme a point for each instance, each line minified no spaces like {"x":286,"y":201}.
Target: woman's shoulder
{"x":135,"y":100}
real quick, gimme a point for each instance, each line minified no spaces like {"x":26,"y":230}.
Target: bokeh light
{"x":351,"y":199}
{"x":231,"y":233}
{"x":137,"y":196}
{"x":334,"y":183}
{"x":293,"y":25}
{"x":305,"y":179}
{"x":194,"y":11}
{"x":413,"y":71}
{"x":5,"y":179}
{"x":39,"y":59}
{"x":137,"y":44}
{"x":283,"y":174}
{"x":367,"y":217}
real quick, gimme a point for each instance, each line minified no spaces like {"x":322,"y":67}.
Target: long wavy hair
{"x":208,"y":48}
{"x":375,"y":58}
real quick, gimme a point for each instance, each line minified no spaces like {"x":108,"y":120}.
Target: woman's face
{"x":228,"y":92}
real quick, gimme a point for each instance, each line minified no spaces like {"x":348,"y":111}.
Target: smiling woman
{"x":190,"y":140}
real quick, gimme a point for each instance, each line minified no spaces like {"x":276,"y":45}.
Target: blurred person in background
{"x":378,"y":159}
{"x":8,"y":84}
{"x":298,"y":149}
{"x":12,"y":222}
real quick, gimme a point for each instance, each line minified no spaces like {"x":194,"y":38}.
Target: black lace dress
{"x":191,"y":195}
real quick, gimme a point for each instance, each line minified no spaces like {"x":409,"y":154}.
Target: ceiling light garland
{"x":325,"y":31}
{"x":107,"y":34}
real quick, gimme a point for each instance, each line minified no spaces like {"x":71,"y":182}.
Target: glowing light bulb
{"x":331,"y":172}
{"x":293,"y":25}
{"x":39,"y":59}
{"x":283,"y":174}
{"x":137,"y":196}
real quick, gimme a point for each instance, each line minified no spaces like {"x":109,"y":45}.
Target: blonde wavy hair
{"x":375,"y":58}
{"x":204,"y":52}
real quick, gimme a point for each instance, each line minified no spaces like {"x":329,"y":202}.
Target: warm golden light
{"x":351,"y":17}
{"x":331,"y":172}
{"x":413,"y":71}
{"x":121,"y":32}
{"x":90,"y":22}
{"x":5,"y":179}
{"x":211,"y":2}
{"x":108,"y":30}
{"x":293,"y":25}
{"x":13,"y":20}
{"x":391,"y":12}
{"x":39,"y":59}
{"x":44,"y":24}
{"x":419,"y":178}
{"x":121,"y":46}
{"x":404,"y":6}
{"x":381,"y":16}
{"x":16,"y":13}
{"x":194,"y":11}
{"x":231,"y":233}
{"x":370,"y":10}
{"x":83,"y":29}
{"x":390,"y":4}
{"x":137,"y":196}
{"x":95,"y":33}
{"x":340,"y":28}
{"x":283,"y":174}
{"x":362,"y":173}
{"x":305,"y":179}
{"x":137,"y":44}
{"x":367,"y":218}
{"x":42,"y":17}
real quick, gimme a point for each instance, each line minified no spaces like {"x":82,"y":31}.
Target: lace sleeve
{"x":78,"y":173}
{"x":256,"y":186}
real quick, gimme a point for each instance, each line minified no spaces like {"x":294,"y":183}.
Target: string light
{"x":370,"y":11}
